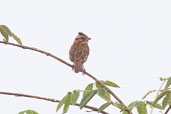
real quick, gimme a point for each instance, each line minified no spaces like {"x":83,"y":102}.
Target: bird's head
{"x":82,"y":38}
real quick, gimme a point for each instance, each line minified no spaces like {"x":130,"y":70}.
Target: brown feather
{"x":78,"y":66}
{"x":79,"y":52}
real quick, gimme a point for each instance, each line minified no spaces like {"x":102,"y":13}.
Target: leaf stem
{"x":157,"y":94}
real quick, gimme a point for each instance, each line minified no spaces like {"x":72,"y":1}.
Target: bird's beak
{"x":89,"y":38}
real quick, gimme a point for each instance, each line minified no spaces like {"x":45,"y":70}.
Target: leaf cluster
{"x":89,"y":92}
{"x":6,"y":33}
{"x":92,"y":89}
{"x":28,"y":112}
{"x":163,"y":94}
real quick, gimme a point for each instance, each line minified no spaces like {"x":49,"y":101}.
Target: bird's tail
{"x":78,"y":66}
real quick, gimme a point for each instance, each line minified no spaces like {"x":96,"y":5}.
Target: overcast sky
{"x":131,"y":46}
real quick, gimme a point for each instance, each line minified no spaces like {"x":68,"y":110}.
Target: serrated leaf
{"x":107,"y":96}
{"x":155,"y":105}
{"x":75,"y":96}
{"x":104,"y":106}
{"x":61,"y":102}
{"x":67,"y":103}
{"x":168,"y":83}
{"x":17,"y":39}
{"x":141,"y":108}
{"x":87,"y":98}
{"x":88,"y":89}
{"x":166,"y":100}
{"x":112,"y":84}
{"x":101,"y":92}
{"x":151,"y":91}
{"x":159,"y":97}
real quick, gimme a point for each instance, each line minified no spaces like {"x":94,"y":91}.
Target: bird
{"x":79,"y":52}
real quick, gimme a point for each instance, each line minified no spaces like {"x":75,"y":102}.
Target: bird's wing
{"x":81,"y":53}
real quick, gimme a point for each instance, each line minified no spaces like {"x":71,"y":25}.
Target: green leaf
{"x":131,"y":106}
{"x":155,"y":105}
{"x":87,"y":98}
{"x":31,"y":112}
{"x":17,"y":39}
{"x":6,"y":29}
{"x":168,"y":83}
{"x":34,"y":112}
{"x":151,"y":91}
{"x":166,"y":100}
{"x":67,"y":103}
{"x":4,"y":34}
{"x":141,"y":108}
{"x":107,"y":96}
{"x":101,"y":92}
{"x":88,"y":89}
{"x":75,"y":96}
{"x":98,"y":85}
{"x":159,"y":97}
{"x":28,"y":112}
{"x":138,"y":103}
{"x":104,"y":106}
{"x":125,"y":112}
{"x":112,"y":84}
{"x":62,"y":102}
{"x":22,"y":112}
{"x":120,"y":106}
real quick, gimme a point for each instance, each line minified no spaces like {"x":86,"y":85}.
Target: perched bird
{"x":79,"y":52}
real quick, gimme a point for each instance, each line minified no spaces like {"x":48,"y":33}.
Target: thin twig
{"x":47,"y":99}
{"x":157,"y":94}
{"x":57,"y":58}
{"x":37,"y":50}
{"x":168,"y":110}
{"x":112,"y":93}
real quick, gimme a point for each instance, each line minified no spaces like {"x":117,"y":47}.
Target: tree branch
{"x":47,"y":99}
{"x":168,"y":109}
{"x":57,"y":58}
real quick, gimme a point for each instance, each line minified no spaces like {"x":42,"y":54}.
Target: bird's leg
{"x":83,"y":72}
{"x":72,"y":67}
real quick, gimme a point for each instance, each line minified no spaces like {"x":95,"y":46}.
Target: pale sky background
{"x":131,"y":46}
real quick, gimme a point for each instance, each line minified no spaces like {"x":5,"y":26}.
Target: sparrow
{"x":79,"y":52}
